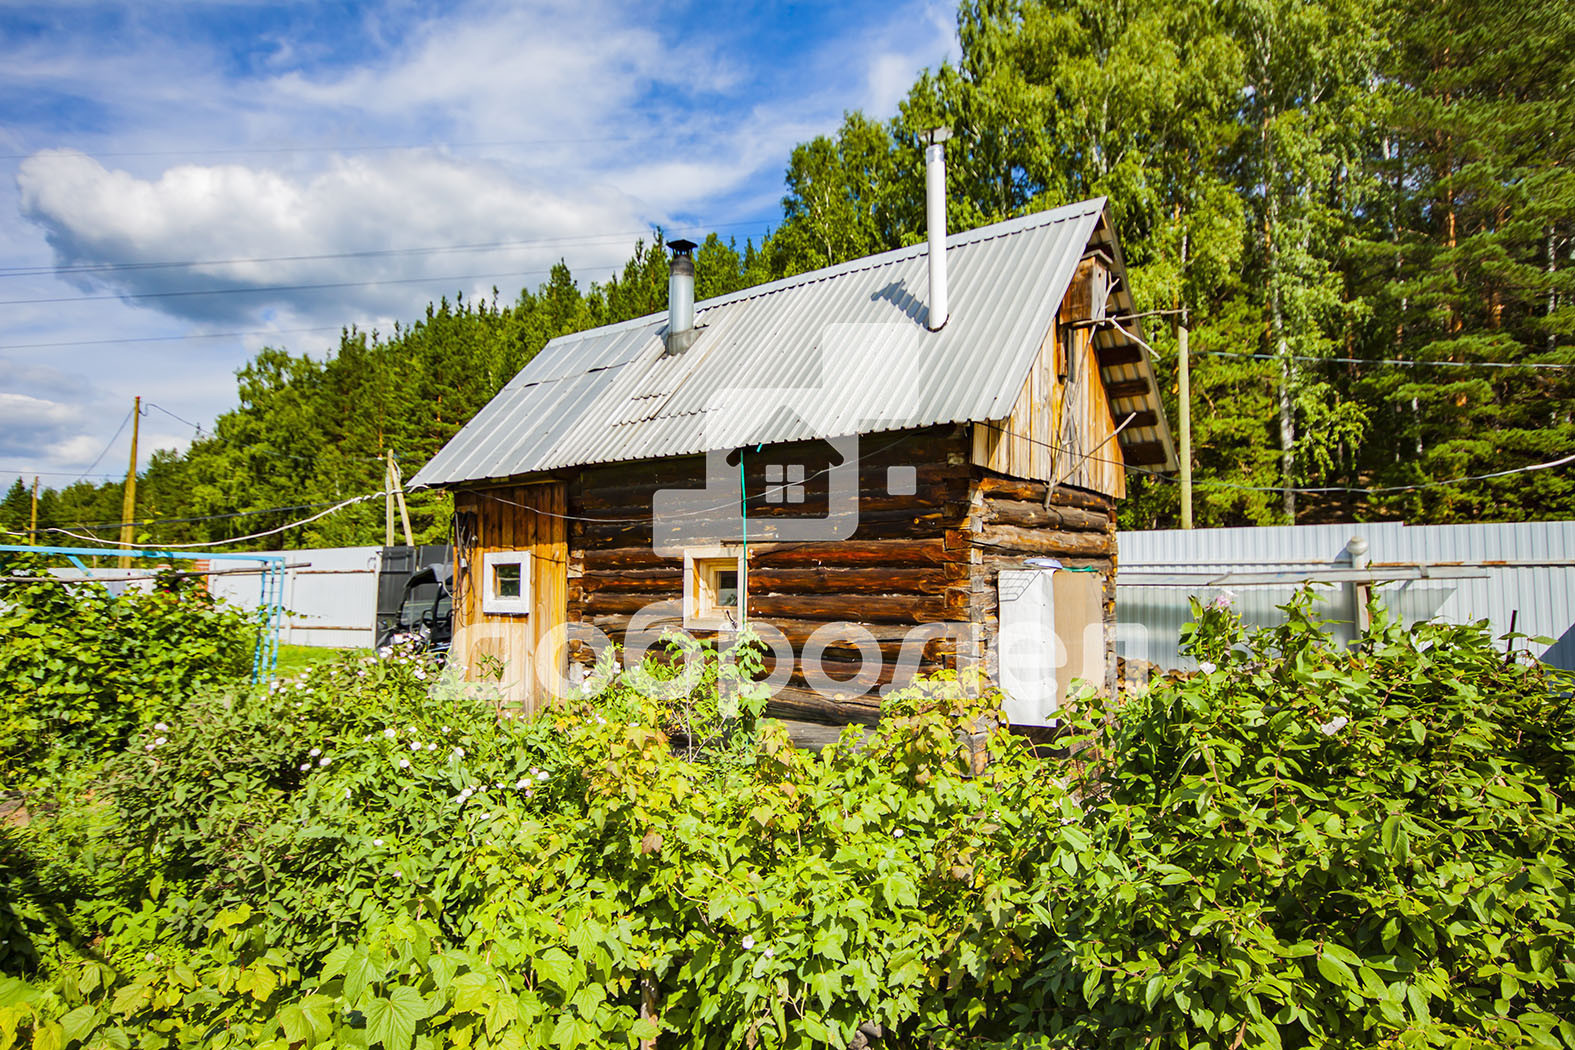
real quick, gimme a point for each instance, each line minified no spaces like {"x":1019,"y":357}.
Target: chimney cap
{"x":936,"y":136}
{"x":682,"y":247}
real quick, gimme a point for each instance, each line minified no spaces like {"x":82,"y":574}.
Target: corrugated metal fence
{"x":330,"y":595}
{"x":1527,"y":572}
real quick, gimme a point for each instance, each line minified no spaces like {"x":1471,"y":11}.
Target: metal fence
{"x":329,"y":595}
{"x":1516,"y":572}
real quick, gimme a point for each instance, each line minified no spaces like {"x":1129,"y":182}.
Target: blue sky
{"x":254,"y":139}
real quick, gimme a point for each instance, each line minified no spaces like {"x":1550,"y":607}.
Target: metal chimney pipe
{"x":681,"y":297}
{"x":935,"y":216}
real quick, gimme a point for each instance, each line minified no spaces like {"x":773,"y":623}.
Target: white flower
{"x":459,"y":752}
{"x":484,"y":816}
{"x":769,"y":952}
{"x":445,"y":730}
{"x":305,"y":766}
{"x":1223,"y":600}
{"x":148,"y":747}
{"x":415,"y":745}
{"x":160,"y":741}
{"x":390,"y":733}
{"x":522,"y":782}
{"x":1333,"y":726}
{"x":541,"y":775}
{"x":419,"y":674}
{"x":161,"y":727}
{"x":897,"y":834}
{"x":314,"y":752}
{"x":404,"y":763}
{"x":377,"y":842}
{"x":347,"y":792}
{"x":431,"y":747}
{"x":600,"y":720}
{"x":324,"y":760}
{"x":412,"y":730}
{"x":1207,"y":667}
{"x":463,"y":795}
{"x":748,"y":942}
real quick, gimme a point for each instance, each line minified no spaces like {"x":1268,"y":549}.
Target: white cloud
{"x":604,"y":117}
{"x":891,"y":73}
{"x":26,"y":410}
{"x":255,"y":227}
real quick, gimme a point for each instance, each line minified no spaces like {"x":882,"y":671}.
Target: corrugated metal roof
{"x":830,"y":353}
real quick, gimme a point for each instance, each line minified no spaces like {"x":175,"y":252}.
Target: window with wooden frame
{"x":505,"y":583}
{"x":714,"y":588}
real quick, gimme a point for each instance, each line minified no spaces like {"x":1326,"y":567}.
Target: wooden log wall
{"x":1014,"y":520}
{"x":928,"y":558}
{"x":906,"y":563}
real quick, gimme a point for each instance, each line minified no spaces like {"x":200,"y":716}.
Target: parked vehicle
{"x":424,"y":621}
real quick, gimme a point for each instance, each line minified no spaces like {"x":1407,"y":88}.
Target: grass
{"x":293,"y":659}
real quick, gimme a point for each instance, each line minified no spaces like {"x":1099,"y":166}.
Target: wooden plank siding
{"x":1060,"y":427}
{"x":527,"y":649}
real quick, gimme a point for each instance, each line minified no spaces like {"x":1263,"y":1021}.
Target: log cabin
{"x":899,"y":464}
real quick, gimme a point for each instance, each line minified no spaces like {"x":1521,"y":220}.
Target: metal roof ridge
{"x":1004,"y":228}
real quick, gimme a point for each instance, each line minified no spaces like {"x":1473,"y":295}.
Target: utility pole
{"x":32,"y":520}
{"x":394,"y":490}
{"x":128,"y":506}
{"x":388,"y":499}
{"x":1184,"y":414}
{"x":1184,"y":393}
{"x":399,"y":494}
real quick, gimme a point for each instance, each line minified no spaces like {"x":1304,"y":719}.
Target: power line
{"x":110,"y":444}
{"x":260,"y":289}
{"x":339,"y":148}
{"x":56,"y":473}
{"x":195,"y":426}
{"x":170,"y":338}
{"x":731,"y":504}
{"x":374,"y":253}
{"x":219,"y":543}
{"x":1306,"y":490}
{"x":1385,"y":360}
{"x":179,"y":521}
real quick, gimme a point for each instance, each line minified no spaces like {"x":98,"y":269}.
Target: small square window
{"x":795,"y":483}
{"x":713,"y":589}
{"x":902,"y":480}
{"x":505,"y":584}
{"x":785,"y":482}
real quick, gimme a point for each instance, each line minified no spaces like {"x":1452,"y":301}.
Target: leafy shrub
{"x":1305,"y":846}
{"x":80,"y":668}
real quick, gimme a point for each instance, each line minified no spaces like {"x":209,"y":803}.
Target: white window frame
{"x":698,"y":615}
{"x":493,"y":605}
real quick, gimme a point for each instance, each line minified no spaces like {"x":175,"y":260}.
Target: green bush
{"x":80,"y":668}
{"x":1305,"y":846}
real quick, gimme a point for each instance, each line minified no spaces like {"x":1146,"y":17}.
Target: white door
{"x":1026,"y":645}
